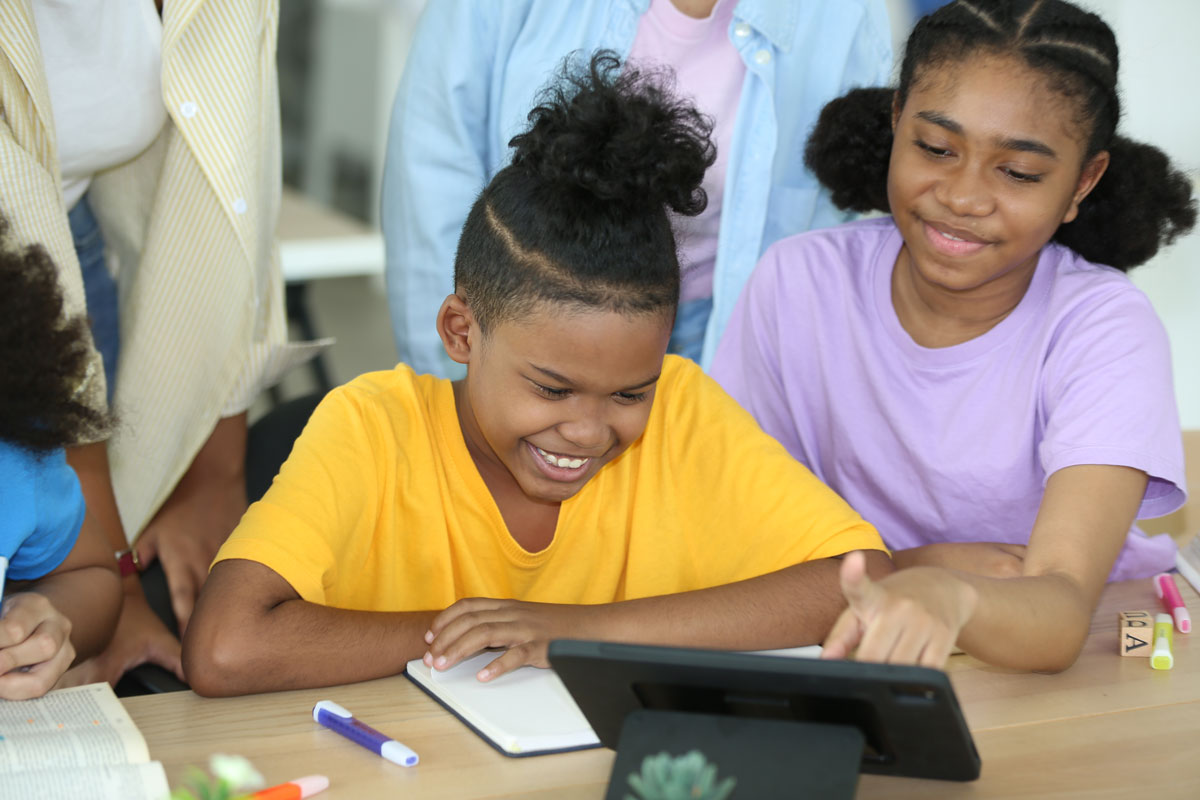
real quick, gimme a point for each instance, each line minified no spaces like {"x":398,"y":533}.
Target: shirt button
{"x":239,"y":206}
{"x":188,"y":109}
{"x":741,"y":30}
{"x":762,"y":57}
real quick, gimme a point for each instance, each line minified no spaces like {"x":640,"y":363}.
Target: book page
{"x":115,"y":782}
{"x":81,"y":726}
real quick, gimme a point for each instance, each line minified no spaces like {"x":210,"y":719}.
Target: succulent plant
{"x":686,"y":777}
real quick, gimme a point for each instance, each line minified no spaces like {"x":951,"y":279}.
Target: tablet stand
{"x":770,"y":758}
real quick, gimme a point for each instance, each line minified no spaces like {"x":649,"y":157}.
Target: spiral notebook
{"x":527,"y":712}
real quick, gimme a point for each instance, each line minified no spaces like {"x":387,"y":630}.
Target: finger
{"x":146,"y":548}
{"x":880,"y":637}
{"x":165,"y":652}
{"x":468,"y":605}
{"x":182,"y":588}
{"x":844,"y":637}
{"x":25,"y":684}
{"x":514,"y":657}
{"x":937,"y":650}
{"x":910,"y":644}
{"x":482,"y":635}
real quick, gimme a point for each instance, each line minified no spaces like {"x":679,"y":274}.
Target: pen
{"x":3,"y":570}
{"x":299,"y":789}
{"x":1168,"y":592}
{"x":1161,"y":658}
{"x":339,"y":720}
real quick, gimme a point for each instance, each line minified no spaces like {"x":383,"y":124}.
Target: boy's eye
{"x":551,"y":392}
{"x":936,"y":152}
{"x":1022,"y":177}
{"x":630,"y":397}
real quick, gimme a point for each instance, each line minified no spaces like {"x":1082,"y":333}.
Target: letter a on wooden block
{"x":1136,"y":631}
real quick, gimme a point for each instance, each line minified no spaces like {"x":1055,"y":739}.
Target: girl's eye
{"x":551,"y":392}
{"x":1022,"y":177}
{"x":630,"y":397}
{"x":936,"y":152}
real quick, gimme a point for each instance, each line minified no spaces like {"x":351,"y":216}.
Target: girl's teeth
{"x":953,"y":237}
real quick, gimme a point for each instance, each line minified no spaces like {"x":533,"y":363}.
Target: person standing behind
{"x":761,"y":69}
{"x":147,"y":149}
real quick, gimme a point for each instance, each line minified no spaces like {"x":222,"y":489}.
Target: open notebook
{"x":527,"y":712}
{"x":77,"y":742}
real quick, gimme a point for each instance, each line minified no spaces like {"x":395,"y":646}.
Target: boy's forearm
{"x":242,"y":644}
{"x":788,"y":608}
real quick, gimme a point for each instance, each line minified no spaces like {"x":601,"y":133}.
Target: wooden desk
{"x":1108,"y":727}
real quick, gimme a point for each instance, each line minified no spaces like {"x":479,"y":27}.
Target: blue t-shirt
{"x":41,"y":510}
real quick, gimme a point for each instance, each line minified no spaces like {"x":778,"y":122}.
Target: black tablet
{"x":909,"y":717}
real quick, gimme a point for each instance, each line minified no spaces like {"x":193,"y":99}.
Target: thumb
{"x":860,"y":591}
{"x":146,"y":548}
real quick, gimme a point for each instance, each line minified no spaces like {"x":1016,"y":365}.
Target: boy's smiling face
{"x":552,"y":397}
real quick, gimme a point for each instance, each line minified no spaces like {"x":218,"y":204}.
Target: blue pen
{"x":3,"y":570}
{"x":339,"y":720}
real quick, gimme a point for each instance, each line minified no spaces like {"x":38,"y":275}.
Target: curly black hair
{"x":44,"y":358}
{"x":1140,"y":204}
{"x":580,"y":215}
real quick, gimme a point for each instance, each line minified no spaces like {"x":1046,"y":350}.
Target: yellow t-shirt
{"x":380,"y":507}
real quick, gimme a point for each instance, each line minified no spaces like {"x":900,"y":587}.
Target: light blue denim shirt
{"x":472,"y":76}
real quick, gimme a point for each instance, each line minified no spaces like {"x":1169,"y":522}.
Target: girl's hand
{"x":912,"y":616}
{"x":523,"y":630}
{"x":35,"y":646}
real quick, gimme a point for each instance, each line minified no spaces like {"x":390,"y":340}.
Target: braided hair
{"x":580,"y":215}
{"x":43,"y":359}
{"x":1140,"y":204}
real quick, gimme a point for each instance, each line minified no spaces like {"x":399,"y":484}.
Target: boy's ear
{"x":457,"y":327}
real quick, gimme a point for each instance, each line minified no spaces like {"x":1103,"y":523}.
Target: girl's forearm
{"x":90,"y":597}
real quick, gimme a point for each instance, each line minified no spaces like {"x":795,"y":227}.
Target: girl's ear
{"x":457,"y":327}
{"x":1092,"y":171}
{"x":896,"y":108}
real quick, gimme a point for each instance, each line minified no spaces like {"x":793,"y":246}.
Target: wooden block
{"x":1136,"y":631}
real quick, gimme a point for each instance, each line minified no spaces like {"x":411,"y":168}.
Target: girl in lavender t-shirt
{"x":966,"y":372}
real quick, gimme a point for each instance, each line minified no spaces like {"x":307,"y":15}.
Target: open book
{"x":77,"y":742}
{"x":527,"y":712}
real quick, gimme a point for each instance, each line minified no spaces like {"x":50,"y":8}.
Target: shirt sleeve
{"x":747,"y":363}
{"x":58,"y":513}
{"x":1109,"y":398}
{"x":769,"y":510}
{"x":435,"y":167}
{"x":323,"y":497}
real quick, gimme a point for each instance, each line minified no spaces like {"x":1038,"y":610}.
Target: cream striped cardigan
{"x":190,"y":230}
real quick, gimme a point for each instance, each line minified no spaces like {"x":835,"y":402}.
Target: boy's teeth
{"x":563,"y":461}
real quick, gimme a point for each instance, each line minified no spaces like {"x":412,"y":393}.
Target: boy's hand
{"x":523,"y":630}
{"x":912,"y":616}
{"x":35,"y":646}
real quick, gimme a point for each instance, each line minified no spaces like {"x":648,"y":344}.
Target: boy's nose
{"x":590,"y":435}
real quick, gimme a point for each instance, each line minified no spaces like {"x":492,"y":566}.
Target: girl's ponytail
{"x":850,"y":147}
{"x":1140,"y":204}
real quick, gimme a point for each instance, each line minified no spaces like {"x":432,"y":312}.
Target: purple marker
{"x":339,"y":720}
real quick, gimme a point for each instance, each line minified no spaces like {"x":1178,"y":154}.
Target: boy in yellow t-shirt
{"x":577,"y":483}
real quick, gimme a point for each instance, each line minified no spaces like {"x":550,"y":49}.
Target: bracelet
{"x":127,"y":562}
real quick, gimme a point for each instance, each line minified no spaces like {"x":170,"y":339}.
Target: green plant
{"x":232,"y":778}
{"x":686,"y":777}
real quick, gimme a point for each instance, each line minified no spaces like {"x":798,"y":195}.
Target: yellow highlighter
{"x":1161,"y":658}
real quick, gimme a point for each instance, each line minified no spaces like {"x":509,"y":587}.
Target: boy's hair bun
{"x":580,"y":216}
{"x":850,"y":147}
{"x":617,"y":135}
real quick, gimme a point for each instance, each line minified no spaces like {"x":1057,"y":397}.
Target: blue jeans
{"x":691,"y":319}
{"x":100,"y":290}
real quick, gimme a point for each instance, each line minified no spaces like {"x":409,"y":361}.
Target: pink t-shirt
{"x":709,"y":71}
{"x":955,"y":443}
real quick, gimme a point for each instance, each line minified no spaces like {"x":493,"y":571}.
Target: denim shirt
{"x":473,"y":75}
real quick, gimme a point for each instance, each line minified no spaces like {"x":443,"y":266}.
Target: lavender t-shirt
{"x":955,"y":443}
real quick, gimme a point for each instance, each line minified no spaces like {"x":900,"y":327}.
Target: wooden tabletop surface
{"x":1109,"y":727}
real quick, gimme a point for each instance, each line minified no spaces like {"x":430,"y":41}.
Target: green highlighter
{"x":1162,"y":658}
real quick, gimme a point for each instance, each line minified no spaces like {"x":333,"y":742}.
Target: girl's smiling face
{"x":551,"y":398}
{"x":987,"y":162}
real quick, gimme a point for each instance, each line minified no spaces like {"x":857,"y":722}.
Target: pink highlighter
{"x":1168,"y":593}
